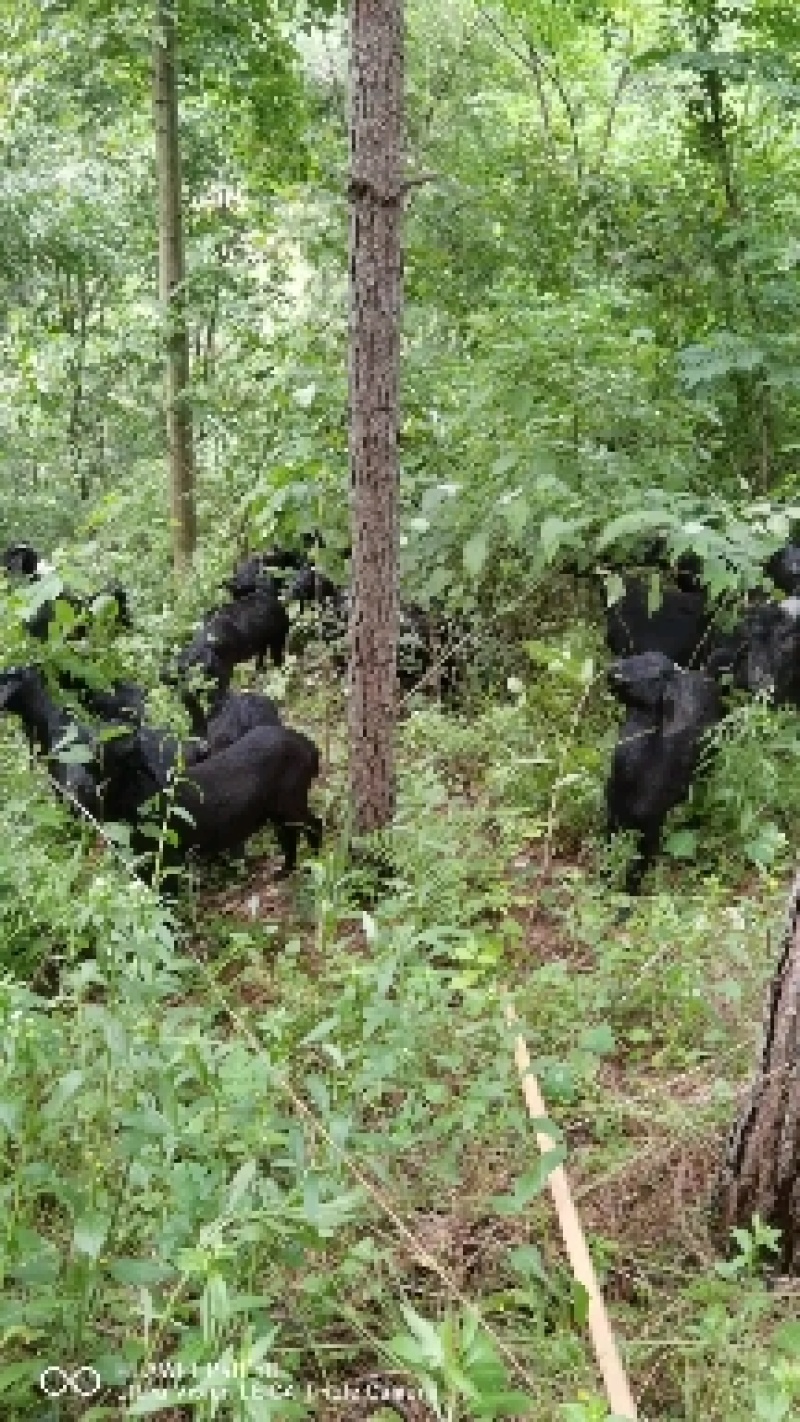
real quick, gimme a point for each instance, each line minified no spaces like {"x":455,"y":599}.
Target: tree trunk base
{"x":761,"y":1172}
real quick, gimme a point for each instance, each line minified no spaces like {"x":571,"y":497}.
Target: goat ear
{"x":667,"y":701}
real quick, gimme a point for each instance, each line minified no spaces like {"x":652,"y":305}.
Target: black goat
{"x":263,"y":778}
{"x":653,"y":554}
{"x":23,"y":693}
{"x":241,"y":711}
{"x":83,"y":608}
{"x":658,"y":750}
{"x":256,"y":574}
{"x":20,"y":559}
{"x":773,"y":650}
{"x":763,"y":652}
{"x":248,"y":627}
{"x":284,"y":559}
{"x":784,"y":569}
{"x":678,"y":628}
{"x":137,"y":766}
{"x":727,"y":656}
{"x":429,"y":651}
{"x":685,"y":571}
{"x":122,"y":701}
{"x":275,"y":565}
{"x":310,"y":586}
{"x":429,"y":645}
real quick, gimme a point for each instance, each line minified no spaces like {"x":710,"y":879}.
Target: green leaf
{"x":580,"y":1303}
{"x":139,"y":1273}
{"x":682,"y":844}
{"x":89,"y":1234}
{"x":640,"y":1035}
{"x":530,"y":1184}
{"x":516,"y":513}
{"x":179,"y":813}
{"x":771,"y":1405}
{"x":65,"y":1089}
{"x":475,"y":552}
{"x":240,"y":1185}
{"x":544,"y":1125}
{"x":10,"y":1112}
{"x":615,"y":588}
{"x":600,"y":1040}
{"x":642,"y":521}
{"x":427,"y":1336}
{"x":764,"y":848}
{"x":11,"y":1374}
{"x":787,"y":1337}
{"x":503,"y":465}
{"x":74,"y":755}
{"x":406,"y":1349}
{"x":321,"y":1032}
{"x":526,"y":1261}
{"x":552,"y":534}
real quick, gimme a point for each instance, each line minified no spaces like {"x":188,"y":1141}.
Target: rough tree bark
{"x":376,"y":197}
{"x":761,"y":1173}
{"x":172,"y":273}
{"x":75,"y":303}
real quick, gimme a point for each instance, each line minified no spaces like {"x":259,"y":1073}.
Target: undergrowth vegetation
{"x":270,"y":1142}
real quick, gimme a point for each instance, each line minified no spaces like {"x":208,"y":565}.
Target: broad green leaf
{"x":65,"y":1089}
{"x":552,"y":534}
{"x":600,"y":1040}
{"x":475,"y":553}
{"x":642,"y":521}
{"x":139,"y":1273}
{"x":426,"y":1334}
{"x":530,"y":1184}
{"x":526,"y":1260}
{"x":681,"y":844}
{"x":240,"y":1185}
{"x":74,"y":755}
{"x":615,"y":588}
{"x":89,"y":1234}
{"x":10,"y":1112}
{"x":516,"y":513}
{"x":653,"y":593}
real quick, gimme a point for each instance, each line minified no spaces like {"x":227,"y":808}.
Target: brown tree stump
{"x":761,"y":1172}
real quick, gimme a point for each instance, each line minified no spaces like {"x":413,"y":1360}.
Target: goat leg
{"x":645,"y":855}
{"x":287,"y":837}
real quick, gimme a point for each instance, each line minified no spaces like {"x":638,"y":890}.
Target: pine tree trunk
{"x":376,"y":196}
{"x":761,"y":1174}
{"x":171,"y":283}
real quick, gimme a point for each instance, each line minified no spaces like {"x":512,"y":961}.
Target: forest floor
{"x":644,"y":1146}
{"x":324,"y":1030}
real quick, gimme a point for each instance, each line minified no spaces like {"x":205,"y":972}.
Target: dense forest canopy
{"x":601,"y":269}
{"x":275,"y":1129}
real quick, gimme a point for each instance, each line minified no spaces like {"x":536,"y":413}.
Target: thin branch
{"x":533,"y":59}
{"x":622,"y":80}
